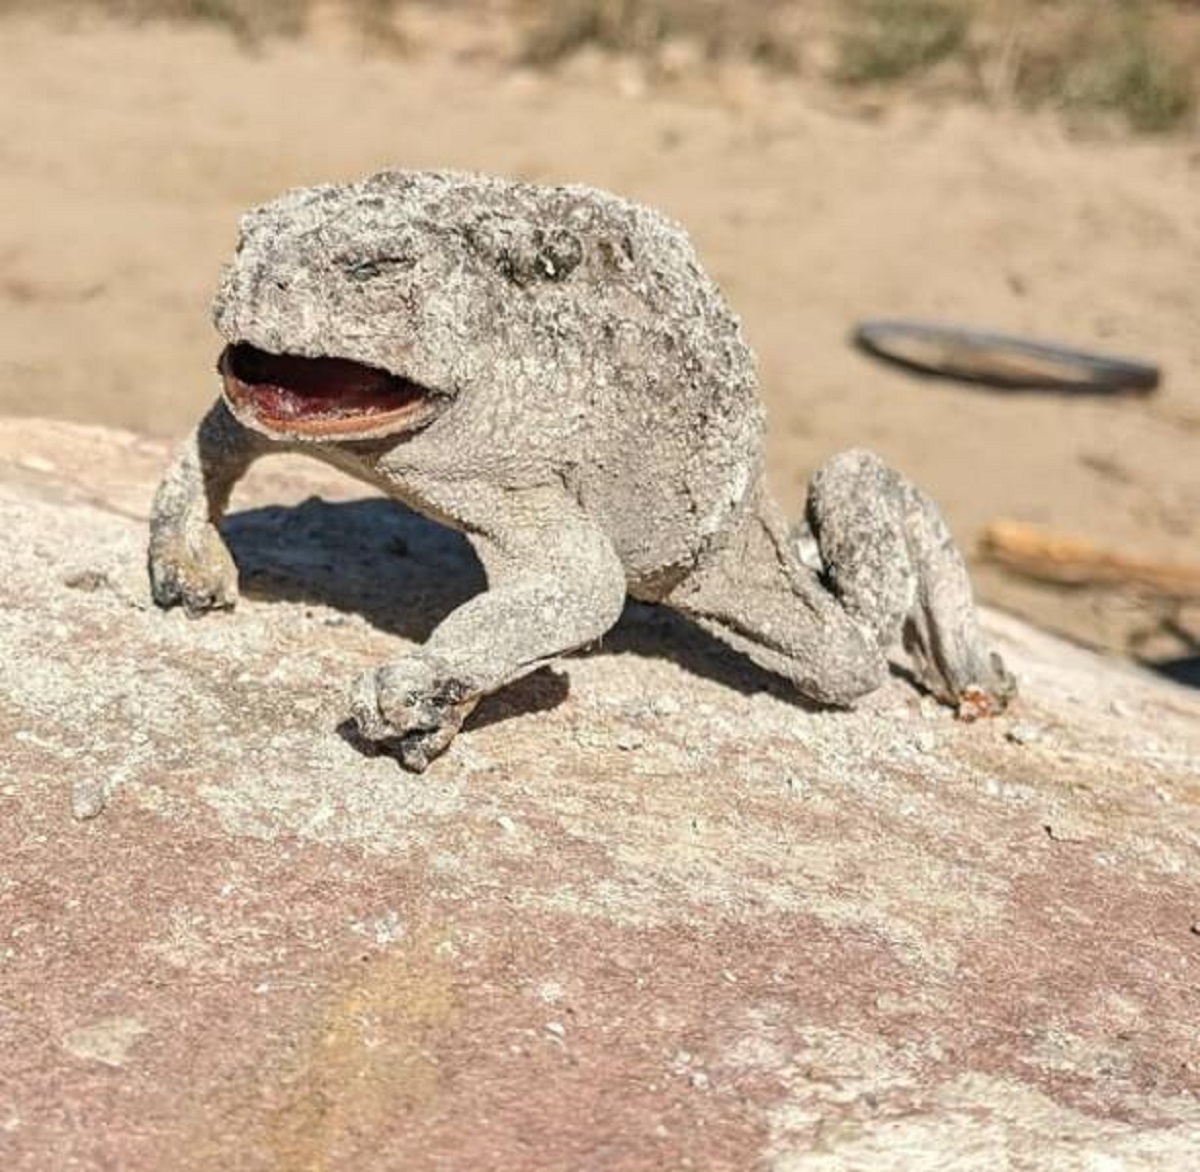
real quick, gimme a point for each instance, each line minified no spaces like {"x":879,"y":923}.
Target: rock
{"x":882,"y":938}
{"x":89,"y":796}
{"x":1025,"y":732}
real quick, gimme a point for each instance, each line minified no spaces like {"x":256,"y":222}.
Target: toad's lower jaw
{"x":318,"y":398}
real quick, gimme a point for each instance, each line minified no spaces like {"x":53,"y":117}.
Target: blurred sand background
{"x":128,"y":149}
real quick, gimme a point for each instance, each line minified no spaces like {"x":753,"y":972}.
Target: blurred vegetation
{"x":717,"y":29}
{"x":891,"y":39}
{"x":1136,"y":59}
{"x":1119,"y":56}
{"x":248,"y":20}
{"x":1139,"y":59}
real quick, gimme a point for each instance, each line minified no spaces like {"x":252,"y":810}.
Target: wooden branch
{"x":1075,"y":561}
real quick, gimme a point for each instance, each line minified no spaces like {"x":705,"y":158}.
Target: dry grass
{"x":248,"y":20}
{"x":1136,"y":60}
{"x":887,"y":40}
{"x":1131,"y":57}
{"x":718,"y":29}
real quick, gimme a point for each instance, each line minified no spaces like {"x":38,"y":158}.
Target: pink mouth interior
{"x":322,"y":394}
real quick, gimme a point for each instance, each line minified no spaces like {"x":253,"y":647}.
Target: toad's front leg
{"x":555,"y":583}
{"x":188,"y":561}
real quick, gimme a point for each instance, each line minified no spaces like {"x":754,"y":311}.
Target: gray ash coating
{"x":590,"y":420}
{"x":575,"y":329}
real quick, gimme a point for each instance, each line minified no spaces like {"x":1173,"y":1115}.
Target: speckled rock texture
{"x":646,"y":912}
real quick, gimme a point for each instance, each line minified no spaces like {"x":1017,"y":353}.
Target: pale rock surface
{"x":646,"y":912}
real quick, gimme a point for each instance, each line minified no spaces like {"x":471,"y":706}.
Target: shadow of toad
{"x":404,"y":574}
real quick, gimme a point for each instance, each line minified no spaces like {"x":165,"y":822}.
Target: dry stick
{"x":1074,"y":561}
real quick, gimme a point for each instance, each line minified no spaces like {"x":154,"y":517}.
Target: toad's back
{"x":644,"y":366}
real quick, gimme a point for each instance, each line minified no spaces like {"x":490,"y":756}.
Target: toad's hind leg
{"x":881,"y":566}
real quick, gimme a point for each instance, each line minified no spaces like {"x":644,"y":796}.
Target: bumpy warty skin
{"x":575,"y":397}
{"x":573,"y":334}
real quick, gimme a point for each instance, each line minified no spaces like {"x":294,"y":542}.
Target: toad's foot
{"x":413,"y":703}
{"x":974,"y":683}
{"x":894,"y":567}
{"x":193,"y":569}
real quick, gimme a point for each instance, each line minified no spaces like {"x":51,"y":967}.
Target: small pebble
{"x":666,"y":706}
{"x":1065,"y":831}
{"x":1025,"y":734}
{"x":506,"y":824}
{"x":388,"y":929}
{"x":925,"y":740}
{"x":629,"y":739}
{"x":556,"y":1028}
{"x":89,"y":581}
{"x":550,"y":992}
{"x":88,"y":798}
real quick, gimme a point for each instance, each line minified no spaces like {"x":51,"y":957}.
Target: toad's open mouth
{"x":318,"y":397}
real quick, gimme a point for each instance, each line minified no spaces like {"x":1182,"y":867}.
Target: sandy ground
{"x":126,"y":155}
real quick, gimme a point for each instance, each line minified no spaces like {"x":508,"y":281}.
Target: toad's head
{"x":365,"y":310}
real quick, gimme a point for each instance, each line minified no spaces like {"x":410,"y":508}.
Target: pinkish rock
{"x":646,"y":913}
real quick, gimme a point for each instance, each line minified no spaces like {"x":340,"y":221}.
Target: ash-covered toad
{"x":550,"y":371}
